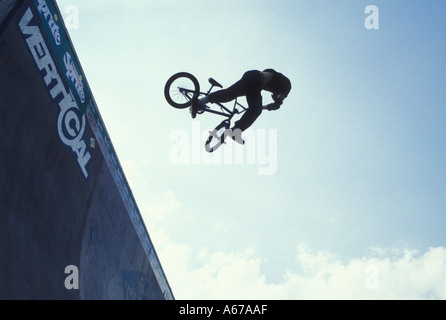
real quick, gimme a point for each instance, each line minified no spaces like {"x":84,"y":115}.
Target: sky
{"x":340,"y":194}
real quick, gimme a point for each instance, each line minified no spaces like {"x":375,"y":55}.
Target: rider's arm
{"x":277,"y":102}
{"x":280,"y":98}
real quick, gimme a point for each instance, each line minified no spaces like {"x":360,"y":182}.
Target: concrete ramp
{"x":69,"y":225}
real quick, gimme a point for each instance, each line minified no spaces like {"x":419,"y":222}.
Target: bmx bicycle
{"x":182,"y":90}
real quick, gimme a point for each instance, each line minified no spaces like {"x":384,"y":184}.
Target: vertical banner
{"x":63,"y":52}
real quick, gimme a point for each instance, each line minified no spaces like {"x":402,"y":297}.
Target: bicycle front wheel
{"x":180,"y":89}
{"x":217,"y":137}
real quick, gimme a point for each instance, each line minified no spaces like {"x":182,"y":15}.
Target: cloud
{"x":395,"y":274}
{"x":155,"y":210}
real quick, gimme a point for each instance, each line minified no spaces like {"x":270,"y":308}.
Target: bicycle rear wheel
{"x":180,"y":89}
{"x":217,"y":136}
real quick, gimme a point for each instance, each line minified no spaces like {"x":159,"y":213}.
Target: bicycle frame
{"x":225,"y":112}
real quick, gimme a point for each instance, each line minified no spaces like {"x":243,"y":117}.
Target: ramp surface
{"x":69,"y":225}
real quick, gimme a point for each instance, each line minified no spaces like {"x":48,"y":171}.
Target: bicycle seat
{"x":215,"y":83}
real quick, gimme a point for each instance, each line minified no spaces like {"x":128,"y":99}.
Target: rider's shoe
{"x":236,"y":135}
{"x":198,"y":106}
{"x":195,"y":106}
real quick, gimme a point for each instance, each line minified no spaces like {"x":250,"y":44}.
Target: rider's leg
{"x":249,"y":117}
{"x":228,"y":94}
{"x":251,"y":81}
{"x":254,"y":110}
